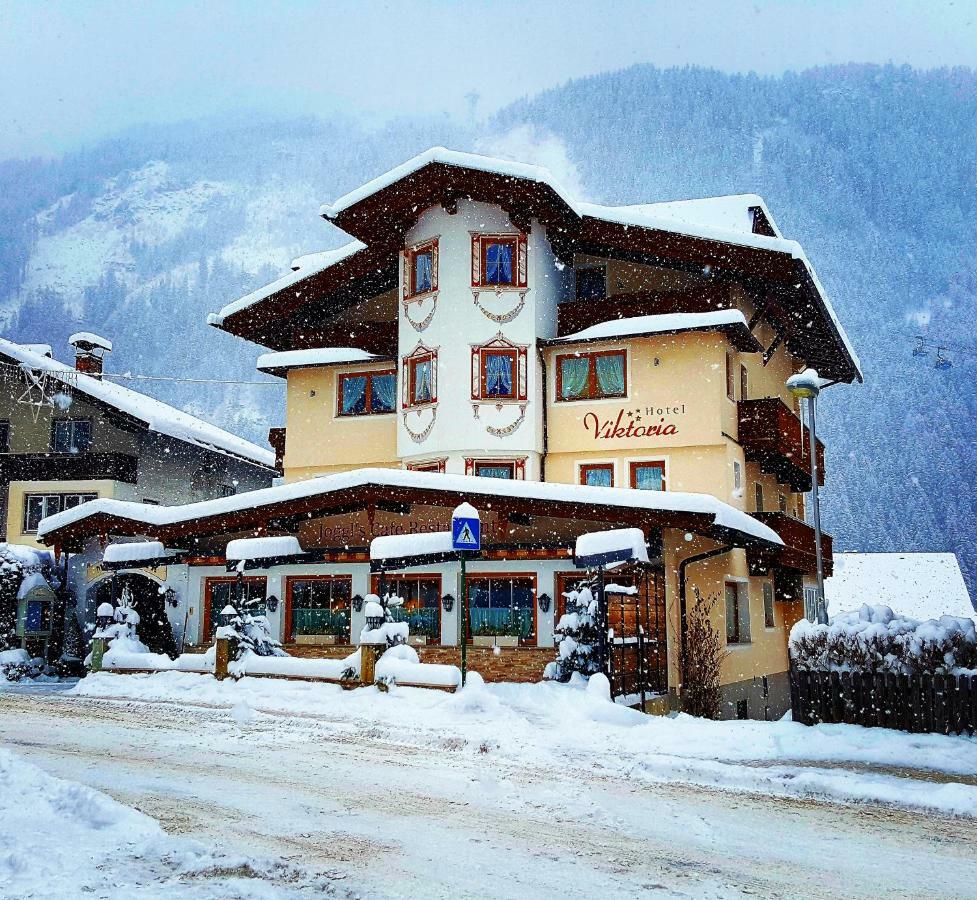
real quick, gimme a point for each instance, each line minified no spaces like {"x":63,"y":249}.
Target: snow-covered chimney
{"x":90,"y":349}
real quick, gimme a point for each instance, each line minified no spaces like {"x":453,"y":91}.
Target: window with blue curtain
{"x":574,"y":377}
{"x":498,"y":263}
{"x":610,"y":375}
{"x":502,"y":606}
{"x":488,"y":470}
{"x":598,"y":476}
{"x":592,"y":376}
{"x":423,"y":272}
{"x":353,"y":395}
{"x":648,"y":476}
{"x":423,"y":381}
{"x":383,"y":391}
{"x":498,"y":374}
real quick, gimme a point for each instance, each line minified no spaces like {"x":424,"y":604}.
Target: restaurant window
{"x":420,"y":371}
{"x":597,"y":474}
{"x":421,"y":269}
{"x":744,"y":383}
{"x":730,"y":377}
{"x":499,"y":260}
{"x":421,"y":609}
{"x":40,"y":506}
{"x":591,"y":376}
{"x":221,"y":592}
{"x":367,"y":393}
{"x":591,"y":283}
{"x":768,"y":620}
{"x":648,"y":476}
{"x":318,"y":607}
{"x":4,"y":437}
{"x":758,"y":490}
{"x":737,"y":613}
{"x":502,"y":605}
{"x":71,"y":436}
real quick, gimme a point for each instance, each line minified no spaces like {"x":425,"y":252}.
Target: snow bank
{"x":876,"y":639}
{"x":401,"y":665}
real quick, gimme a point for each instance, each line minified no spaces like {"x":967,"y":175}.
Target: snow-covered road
{"x":384,"y":815}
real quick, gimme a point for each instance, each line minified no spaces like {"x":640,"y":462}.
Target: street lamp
{"x":807,"y":385}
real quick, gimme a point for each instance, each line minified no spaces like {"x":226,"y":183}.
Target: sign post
{"x":466,"y":537}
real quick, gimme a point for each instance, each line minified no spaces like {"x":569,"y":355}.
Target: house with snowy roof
{"x":565,"y":367}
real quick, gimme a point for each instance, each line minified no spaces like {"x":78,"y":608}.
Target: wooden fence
{"x":945,"y":704}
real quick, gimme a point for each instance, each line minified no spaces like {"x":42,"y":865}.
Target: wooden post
{"x":99,"y":646}
{"x":223,"y":657}
{"x":369,"y":654}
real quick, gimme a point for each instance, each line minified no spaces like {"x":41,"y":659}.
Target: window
{"x":495,"y":469}
{"x":71,"y":436}
{"x":317,"y":606}
{"x":737,"y":613}
{"x":768,"y":621}
{"x":744,"y":383}
{"x":502,"y":605}
{"x":730,"y":380}
{"x":758,"y":489}
{"x":421,"y":269}
{"x":420,"y":377}
{"x":422,"y":603}
{"x":499,"y":370}
{"x":591,"y":376}
{"x":591,"y":283}
{"x":742,"y":709}
{"x":40,"y":506}
{"x":597,"y":474}
{"x":737,"y":476}
{"x":367,"y":393}
{"x":499,"y":260}
{"x":4,"y":437}
{"x":648,"y":476}
{"x":428,"y":465}
{"x":221,"y":592}
{"x":811,"y":604}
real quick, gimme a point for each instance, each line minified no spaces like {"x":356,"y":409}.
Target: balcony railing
{"x":798,"y":551}
{"x":773,"y":436}
{"x":68,"y":467}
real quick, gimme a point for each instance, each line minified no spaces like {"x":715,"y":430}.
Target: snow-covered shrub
{"x":702,"y":660}
{"x":578,"y":634}
{"x":18,"y":562}
{"x":17,"y":665}
{"x":248,"y":634}
{"x":389,"y":631}
{"x":875,"y":639}
{"x":122,"y":634}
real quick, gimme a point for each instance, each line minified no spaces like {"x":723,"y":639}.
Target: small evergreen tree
{"x":248,"y":633}
{"x":578,"y":633}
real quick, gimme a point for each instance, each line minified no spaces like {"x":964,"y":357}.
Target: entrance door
{"x":637,"y":633}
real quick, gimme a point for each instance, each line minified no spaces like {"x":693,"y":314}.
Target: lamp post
{"x":807,"y":385}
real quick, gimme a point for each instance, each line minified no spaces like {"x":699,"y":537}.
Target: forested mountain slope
{"x":873,"y":169}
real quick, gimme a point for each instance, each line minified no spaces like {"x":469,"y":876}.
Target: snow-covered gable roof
{"x":919,"y":585}
{"x":157,"y":416}
{"x":279,"y":363}
{"x":474,"y":488}
{"x":666,"y":323}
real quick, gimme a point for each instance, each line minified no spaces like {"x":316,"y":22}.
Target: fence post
{"x":99,"y":646}
{"x":222,"y":658}
{"x":369,"y":654}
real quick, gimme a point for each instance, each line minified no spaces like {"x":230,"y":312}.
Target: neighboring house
{"x":917,"y":585}
{"x":564,"y":367}
{"x":68,"y":436}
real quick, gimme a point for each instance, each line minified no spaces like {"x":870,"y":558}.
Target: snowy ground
{"x":514,"y":791}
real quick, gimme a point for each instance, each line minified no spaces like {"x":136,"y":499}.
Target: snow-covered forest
{"x":872,"y":169}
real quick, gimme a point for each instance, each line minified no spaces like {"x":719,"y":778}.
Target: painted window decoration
{"x":648,"y":476}
{"x":502,"y":605}
{"x":367,"y":393}
{"x":421,"y":269}
{"x":499,"y":370}
{"x":499,"y":261}
{"x":737,"y":613}
{"x":512,"y":469}
{"x":71,"y":436}
{"x":420,"y":377}
{"x":219,"y":592}
{"x":40,"y":506}
{"x":421,"y":609}
{"x":597,"y":474}
{"x":318,"y":608}
{"x":597,"y":375}
{"x":768,"y":620}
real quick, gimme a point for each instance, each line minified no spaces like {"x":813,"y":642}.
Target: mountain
{"x":870,"y":168}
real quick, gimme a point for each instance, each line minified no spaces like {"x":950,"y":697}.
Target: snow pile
{"x":875,"y":639}
{"x":401,"y":664}
{"x":388,"y":631}
{"x":17,"y":665}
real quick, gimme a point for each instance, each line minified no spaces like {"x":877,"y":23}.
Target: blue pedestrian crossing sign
{"x":466,"y":529}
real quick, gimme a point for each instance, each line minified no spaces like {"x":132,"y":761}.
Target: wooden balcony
{"x":798,"y":552}
{"x":68,"y":467}
{"x":772,"y":435}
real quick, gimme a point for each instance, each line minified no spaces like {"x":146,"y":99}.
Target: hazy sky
{"x":72,"y":72}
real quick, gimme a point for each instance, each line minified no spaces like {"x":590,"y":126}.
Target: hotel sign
{"x":642,"y":422}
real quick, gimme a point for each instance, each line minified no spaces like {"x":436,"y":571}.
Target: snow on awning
{"x":134,"y":550}
{"x":263,"y":548}
{"x":614,"y":545}
{"x":279,"y":363}
{"x":399,"y":546}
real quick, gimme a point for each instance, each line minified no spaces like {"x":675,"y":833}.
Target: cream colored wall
{"x":18,"y":489}
{"x":319,"y":441}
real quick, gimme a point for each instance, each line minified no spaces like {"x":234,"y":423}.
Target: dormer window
{"x":421,"y":269}
{"x":499,"y":261}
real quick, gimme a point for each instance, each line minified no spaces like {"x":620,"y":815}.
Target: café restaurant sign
{"x":643,"y":422}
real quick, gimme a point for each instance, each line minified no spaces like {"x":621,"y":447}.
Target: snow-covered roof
{"x":157,"y":415}
{"x":263,"y":548}
{"x":473,"y":487}
{"x":277,"y":363}
{"x":395,"y":546}
{"x":917,"y":585}
{"x":91,"y":339}
{"x":638,"y":326}
{"x":308,"y":265}
{"x":732,"y":212}
{"x":130,"y":551}
{"x":39,"y":349}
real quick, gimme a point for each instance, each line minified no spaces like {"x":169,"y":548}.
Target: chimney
{"x":90,"y":350}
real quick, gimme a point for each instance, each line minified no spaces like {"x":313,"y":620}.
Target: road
{"x":383,"y":818}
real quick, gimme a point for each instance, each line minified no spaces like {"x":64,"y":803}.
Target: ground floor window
{"x":318,"y":606}
{"x":221,"y":592}
{"x":503,"y":605}
{"x":422,"y":603}
{"x":737,"y":613}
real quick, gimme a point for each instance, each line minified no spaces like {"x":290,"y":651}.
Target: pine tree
{"x":578,"y":633}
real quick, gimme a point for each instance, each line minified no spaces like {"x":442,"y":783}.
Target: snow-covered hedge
{"x":875,"y":639}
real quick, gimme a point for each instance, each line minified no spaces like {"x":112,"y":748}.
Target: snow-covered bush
{"x":17,"y":665}
{"x":578,"y":634}
{"x":249,"y":634}
{"x":875,"y":639}
{"x":122,"y":634}
{"x":389,"y":631}
{"x":702,"y":660}
{"x":18,"y":562}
